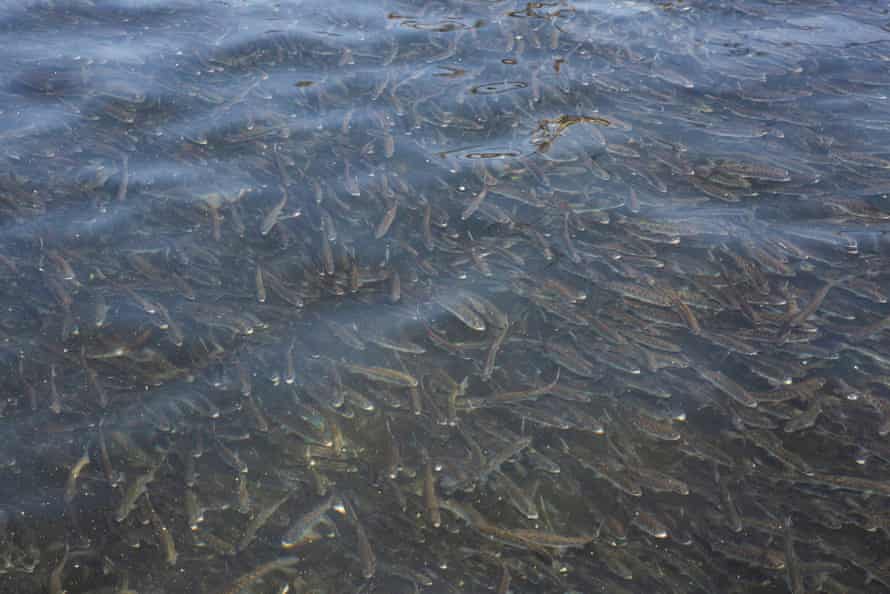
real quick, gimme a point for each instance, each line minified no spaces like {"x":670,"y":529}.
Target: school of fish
{"x":446,"y":297}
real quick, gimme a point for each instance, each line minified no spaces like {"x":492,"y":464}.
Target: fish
{"x":302,"y":530}
{"x":520,"y":500}
{"x":270,"y":219}
{"x":640,"y":293}
{"x":260,"y":285}
{"x":136,"y":488}
{"x":616,"y":476}
{"x":56,"y":576}
{"x":463,"y":312}
{"x":383,"y":375}
{"x":792,"y":565}
{"x":430,"y":498}
{"x":496,"y":343}
{"x":56,"y":397}
{"x":246,"y":580}
{"x":260,"y":519}
{"x":729,"y":387}
{"x":386,"y":222}
{"x":570,"y":359}
{"x":534,"y":539}
{"x":407,"y":347}
{"x":649,"y":524}
{"x":73,"y":474}
{"x":519,"y":395}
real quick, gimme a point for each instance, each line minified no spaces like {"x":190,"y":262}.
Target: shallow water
{"x":447,"y":297}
